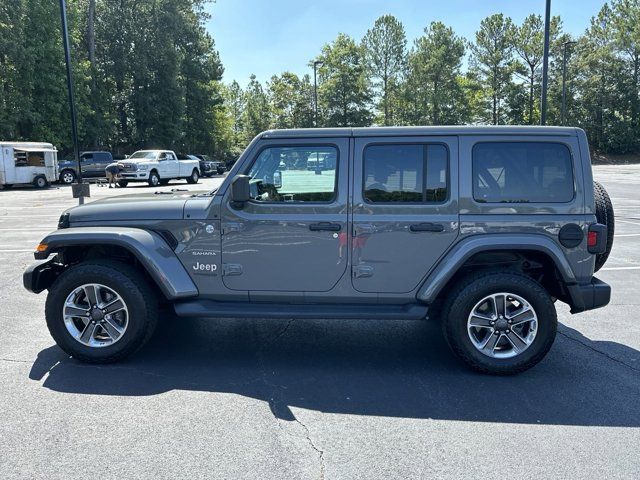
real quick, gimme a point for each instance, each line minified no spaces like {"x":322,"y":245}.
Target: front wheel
{"x":67,"y":177}
{"x":101,"y":312}
{"x":123,"y":183}
{"x":154,"y":179}
{"x":499,"y":323}
{"x":194,"y":177}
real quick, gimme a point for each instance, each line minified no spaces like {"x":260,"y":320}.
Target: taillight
{"x":597,"y":238}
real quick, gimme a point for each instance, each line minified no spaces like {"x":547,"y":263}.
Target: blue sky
{"x":272,"y":36}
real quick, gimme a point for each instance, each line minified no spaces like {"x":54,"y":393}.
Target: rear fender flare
{"x":455,"y":258}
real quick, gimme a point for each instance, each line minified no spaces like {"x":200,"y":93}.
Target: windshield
{"x":148,"y":155}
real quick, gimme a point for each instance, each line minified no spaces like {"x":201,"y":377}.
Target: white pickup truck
{"x":157,"y":167}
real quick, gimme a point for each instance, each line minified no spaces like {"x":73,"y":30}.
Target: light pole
{"x":563,"y":112}
{"x":545,"y":64}
{"x":316,"y":64}
{"x":79,"y":190}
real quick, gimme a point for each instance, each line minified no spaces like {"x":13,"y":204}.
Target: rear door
{"x":291,"y":235}
{"x":405,"y":213}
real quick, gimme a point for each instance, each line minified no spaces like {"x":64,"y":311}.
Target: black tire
{"x":195,"y":176}
{"x":164,"y":182}
{"x":460,"y":302}
{"x":605,"y":216}
{"x":67,"y":177}
{"x":40,"y":182}
{"x":140,"y":299}
{"x":154,"y":179}
{"x":123,"y":183}
{"x":7,"y":186}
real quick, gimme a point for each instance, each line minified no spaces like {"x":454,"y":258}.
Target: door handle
{"x":427,"y":227}
{"x":326,"y":226}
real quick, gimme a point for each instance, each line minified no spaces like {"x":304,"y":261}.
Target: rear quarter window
{"x":522,"y":172}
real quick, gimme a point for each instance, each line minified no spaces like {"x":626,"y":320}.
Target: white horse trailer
{"x":28,"y":162}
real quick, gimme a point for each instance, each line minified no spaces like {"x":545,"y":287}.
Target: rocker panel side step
{"x":211,"y":308}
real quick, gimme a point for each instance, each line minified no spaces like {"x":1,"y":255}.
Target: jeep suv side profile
{"x":480,"y":228}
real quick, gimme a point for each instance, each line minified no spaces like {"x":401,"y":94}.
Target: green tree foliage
{"x":493,"y":61}
{"x":291,"y":100}
{"x":344,"y":93}
{"x":384,"y":52}
{"x":433,"y":92}
{"x":146,"y":73}
{"x":257,"y":110}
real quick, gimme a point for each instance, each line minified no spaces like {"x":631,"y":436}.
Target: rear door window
{"x":406,"y":173}
{"x":522,"y":172}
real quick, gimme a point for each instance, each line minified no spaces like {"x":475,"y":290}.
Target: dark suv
{"x":213,"y":167}
{"x":481,"y":228}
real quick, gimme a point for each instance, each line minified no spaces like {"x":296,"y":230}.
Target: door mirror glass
{"x":240,"y":190}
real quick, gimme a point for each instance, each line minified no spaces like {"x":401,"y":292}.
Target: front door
{"x":405,"y":212}
{"x":291,"y":235}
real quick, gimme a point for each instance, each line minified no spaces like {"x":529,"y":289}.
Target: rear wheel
{"x":195,"y":176}
{"x":101,"y":312}
{"x":605,"y":216}
{"x":499,"y":323}
{"x":40,"y":182}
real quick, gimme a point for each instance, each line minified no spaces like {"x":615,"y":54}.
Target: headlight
{"x":143,"y":167}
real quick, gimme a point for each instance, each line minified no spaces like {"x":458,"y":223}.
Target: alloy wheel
{"x":95,"y":315}
{"x":502,"y":325}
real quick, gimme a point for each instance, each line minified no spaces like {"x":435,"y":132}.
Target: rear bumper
{"x":589,"y":296}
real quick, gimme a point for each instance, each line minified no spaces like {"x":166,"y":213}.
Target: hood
{"x":143,"y":206}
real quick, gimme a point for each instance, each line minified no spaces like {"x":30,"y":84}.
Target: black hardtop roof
{"x":418,"y":131}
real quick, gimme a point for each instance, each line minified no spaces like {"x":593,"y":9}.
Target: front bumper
{"x":40,"y":275}
{"x":589,"y":296}
{"x":134,"y":175}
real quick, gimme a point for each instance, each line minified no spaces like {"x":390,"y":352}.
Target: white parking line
{"x":627,"y":221}
{"x":620,"y":268}
{"x":28,"y":230}
{"x":16,"y":251}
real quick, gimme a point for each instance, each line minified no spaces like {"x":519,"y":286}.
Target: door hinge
{"x":229,"y":269}
{"x":362,"y":271}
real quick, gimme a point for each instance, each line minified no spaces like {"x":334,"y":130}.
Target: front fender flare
{"x":465,"y":249}
{"x":148,"y":247}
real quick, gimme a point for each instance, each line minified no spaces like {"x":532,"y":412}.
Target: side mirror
{"x":277,"y":179}
{"x":240,"y":191}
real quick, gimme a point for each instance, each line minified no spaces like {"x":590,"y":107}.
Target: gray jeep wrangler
{"x":483,"y":228}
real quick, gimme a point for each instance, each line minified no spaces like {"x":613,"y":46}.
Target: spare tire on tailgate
{"x":605,"y":216}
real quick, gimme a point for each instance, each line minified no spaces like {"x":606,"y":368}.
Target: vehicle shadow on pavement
{"x":395,"y":369}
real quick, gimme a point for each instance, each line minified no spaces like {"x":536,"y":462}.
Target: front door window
{"x":294,"y":174}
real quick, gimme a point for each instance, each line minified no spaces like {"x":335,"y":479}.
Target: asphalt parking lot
{"x":300,"y":399}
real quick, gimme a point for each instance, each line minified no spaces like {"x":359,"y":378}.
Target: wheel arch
{"x":147,"y":249}
{"x":534,"y":255}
